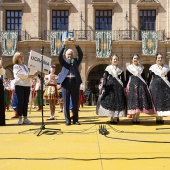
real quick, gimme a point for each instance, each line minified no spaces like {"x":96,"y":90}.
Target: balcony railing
{"x":78,"y":34}
{"x":89,"y":35}
{"x":117,"y":35}
{"x":22,"y":35}
{"x":134,"y":35}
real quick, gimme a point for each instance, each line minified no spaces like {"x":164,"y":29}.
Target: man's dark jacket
{"x":65,"y":64}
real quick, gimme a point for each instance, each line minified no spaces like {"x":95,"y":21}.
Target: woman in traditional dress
{"x":159,"y":81}
{"x":139,"y":99}
{"x":33,"y":92}
{"x":113,"y":102}
{"x":51,"y":93}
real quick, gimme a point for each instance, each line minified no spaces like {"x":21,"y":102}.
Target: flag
{"x":149,"y":43}
{"x":103,"y":44}
{"x":9,"y":42}
{"x":55,"y":42}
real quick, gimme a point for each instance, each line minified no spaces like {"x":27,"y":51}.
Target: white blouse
{"x":50,"y":81}
{"x":21,"y":74}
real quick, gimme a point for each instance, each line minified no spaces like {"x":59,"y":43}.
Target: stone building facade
{"x":37,"y":22}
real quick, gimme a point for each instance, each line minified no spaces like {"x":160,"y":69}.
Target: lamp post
{"x":126,"y":20}
{"x":81,"y":17}
{"x":126,"y":32}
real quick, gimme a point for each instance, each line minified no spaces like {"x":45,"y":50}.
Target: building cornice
{"x":148,"y":4}
{"x":16,"y":3}
{"x":103,"y":4}
{"x":62,"y":4}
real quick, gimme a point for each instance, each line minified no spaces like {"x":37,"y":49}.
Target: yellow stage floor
{"x":126,"y":147}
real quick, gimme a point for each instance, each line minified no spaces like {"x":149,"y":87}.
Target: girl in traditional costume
{"x":51,"y":93}
{"x":113,"y":102}
{"x":7,"y":93}
{"x":139,"y":99}
{"x":159,"y":81}
{"x":33,"y":92}
{"x":81,"y":93}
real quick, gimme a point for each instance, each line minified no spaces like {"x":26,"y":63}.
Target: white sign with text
{"x":35,"y":62}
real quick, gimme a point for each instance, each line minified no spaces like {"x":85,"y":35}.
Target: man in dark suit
{"x":70,"y":80}
{"x":2,"y":106}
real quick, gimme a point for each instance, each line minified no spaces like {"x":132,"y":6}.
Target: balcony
{"x":134,"y":35}
{"x":22,"y":35}
{"x":117,"y":35}
{"x":78,"y":34}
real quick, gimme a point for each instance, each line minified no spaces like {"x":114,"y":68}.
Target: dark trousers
{"x":70,"y":87}
{"x":23,"y":93}
{"x":2,"y":106}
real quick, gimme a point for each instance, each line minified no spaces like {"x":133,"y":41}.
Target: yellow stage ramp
{"x":81,"y":147}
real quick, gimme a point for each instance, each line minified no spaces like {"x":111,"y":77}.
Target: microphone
{"x":42,"y":49}
{"x":72,"y":61}
{"x":39,"y":76}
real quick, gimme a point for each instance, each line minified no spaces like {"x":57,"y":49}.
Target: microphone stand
{"x":42,"y":127}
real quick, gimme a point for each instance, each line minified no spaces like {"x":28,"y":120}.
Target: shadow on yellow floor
{"x":80,"y":147}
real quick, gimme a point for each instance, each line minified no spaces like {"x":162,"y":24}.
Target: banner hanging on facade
{"x":9,"y":42}
{"x":55,"y":42}
{"x":103,"y":44}
{"x":149,"y":43}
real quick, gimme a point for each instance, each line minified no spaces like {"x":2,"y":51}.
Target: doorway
{"x":93,"y":82}
{"x":146,"y":68}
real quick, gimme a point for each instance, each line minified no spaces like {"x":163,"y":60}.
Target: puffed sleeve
{"x":46,"y":80}
{"x":19,"y":72}
{"x":37,"y":85}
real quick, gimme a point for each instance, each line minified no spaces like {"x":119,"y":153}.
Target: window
{"x":60,"y":19}
{"x":147,"y":19}
{"x":13,"y":20}
{"x":103,"y":20}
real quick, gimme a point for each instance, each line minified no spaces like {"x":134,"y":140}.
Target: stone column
{"x":168,"y":18}
{"x":35,"y":22}
{"x":1,"y":19}
{"x":49,"y":21}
